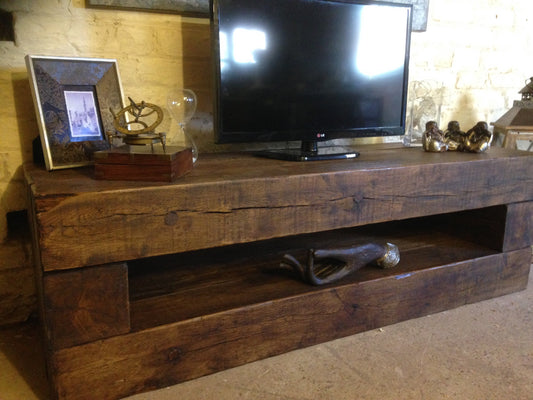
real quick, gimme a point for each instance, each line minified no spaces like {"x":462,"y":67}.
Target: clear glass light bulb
{"x":182,"y":104}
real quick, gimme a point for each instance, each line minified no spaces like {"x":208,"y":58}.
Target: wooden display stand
{"x":144,"y":285}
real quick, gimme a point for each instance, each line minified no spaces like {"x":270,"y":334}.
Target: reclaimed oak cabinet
{"x":143,"y":284}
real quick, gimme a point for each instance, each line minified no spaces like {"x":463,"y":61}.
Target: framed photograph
{"x":74,"y":101}
{"x":420,"y":13}
{"x":199,"y":8}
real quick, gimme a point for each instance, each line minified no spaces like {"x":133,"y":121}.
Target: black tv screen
{"x":309,"y":70}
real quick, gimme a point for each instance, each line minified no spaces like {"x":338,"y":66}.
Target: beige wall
{"x":479,"y":50}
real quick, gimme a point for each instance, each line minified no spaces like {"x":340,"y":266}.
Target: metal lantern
{"x":517,"y":123}
{"x":527,"y":91}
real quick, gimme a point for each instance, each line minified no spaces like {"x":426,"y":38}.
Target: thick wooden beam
{"x":518,"y":226}
{"x":503,"y":228}
{"x":231,"y":199}
{"x":164,"y":355}
{"x":84,"y":305}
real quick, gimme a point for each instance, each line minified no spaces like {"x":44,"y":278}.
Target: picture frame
{"x":420,"y":13}
{"x":74,"y":100}
{"x":200,"y":8}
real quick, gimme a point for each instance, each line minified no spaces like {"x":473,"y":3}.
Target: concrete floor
{"x":481,"y":351}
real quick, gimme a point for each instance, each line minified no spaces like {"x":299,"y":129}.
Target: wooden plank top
{"x":238,"y":198}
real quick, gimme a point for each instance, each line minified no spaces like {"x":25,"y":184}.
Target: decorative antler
{"x":329,"y":265}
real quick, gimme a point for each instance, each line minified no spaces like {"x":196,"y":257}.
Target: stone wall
{"x":477,"y":50}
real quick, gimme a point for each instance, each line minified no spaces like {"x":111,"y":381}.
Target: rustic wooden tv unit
{"x":143,"y":285}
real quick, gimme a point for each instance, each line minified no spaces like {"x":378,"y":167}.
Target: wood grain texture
{"x":230,"y":199}
{"x":160,"y":165}
{"x":504,"y":228}
{"x":85,"y":305}
{"x":518,"y":226}
{"x":152,"y":358}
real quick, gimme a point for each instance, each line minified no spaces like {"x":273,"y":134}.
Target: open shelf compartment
{"x":175,"y":288}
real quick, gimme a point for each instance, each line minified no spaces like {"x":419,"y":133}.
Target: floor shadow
{"x":21,"y":345}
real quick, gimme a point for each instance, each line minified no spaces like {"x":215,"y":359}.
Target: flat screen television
{"x":309,"y":71}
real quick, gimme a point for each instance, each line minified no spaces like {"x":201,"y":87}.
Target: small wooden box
{"x":141,"y":163}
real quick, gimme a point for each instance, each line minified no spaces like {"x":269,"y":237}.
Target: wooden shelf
{"x":176,"y":288}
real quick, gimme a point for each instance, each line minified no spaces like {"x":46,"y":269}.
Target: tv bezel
{"x":307,"y":137}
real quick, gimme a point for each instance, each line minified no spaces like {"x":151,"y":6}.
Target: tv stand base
{"x":142,"y":284}
{"x":319,"y":154}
